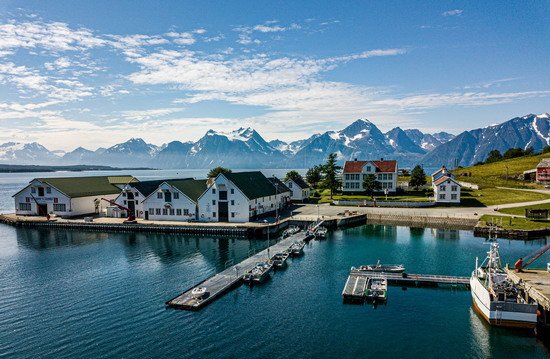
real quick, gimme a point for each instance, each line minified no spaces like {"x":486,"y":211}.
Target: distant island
{"x":76,"y":168}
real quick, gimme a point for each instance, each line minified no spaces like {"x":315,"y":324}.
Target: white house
{"x":446,"y":188}
{"x":68,"y":196}
{"x":239,"y":197}
{"x":355,"y":172}
{"x":299,"y":189}
{"x":174,"y":200}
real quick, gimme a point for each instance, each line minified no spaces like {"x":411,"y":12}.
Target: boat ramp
{"x":231,"y":277}
{"x":356,"y":284}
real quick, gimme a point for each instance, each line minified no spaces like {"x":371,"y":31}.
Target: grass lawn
{"x":414,"y":196}
{"x":494,"y":174}
{"x":494,"y":196}
{"x":520,"y":211}
{"x":515,"y":223}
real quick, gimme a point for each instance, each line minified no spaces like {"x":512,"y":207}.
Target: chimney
{"x":382,"y":159}
{"x":355,"y":159}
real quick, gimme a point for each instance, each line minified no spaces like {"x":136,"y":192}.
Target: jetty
{"x":231,"y":277}
{"x":354,"y":289}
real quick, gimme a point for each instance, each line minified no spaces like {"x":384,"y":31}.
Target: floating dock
{"x":354,"y":290}
{"x":220,"y":283}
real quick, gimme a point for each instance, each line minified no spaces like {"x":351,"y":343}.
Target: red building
{"x":543,"y":171}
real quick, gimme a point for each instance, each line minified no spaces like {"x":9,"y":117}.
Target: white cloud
{"x":141,"y":115}
{"x":455,"y":12}
{"x":182,"y":38}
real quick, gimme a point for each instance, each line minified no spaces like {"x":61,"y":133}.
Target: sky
{"x":96,"y":73}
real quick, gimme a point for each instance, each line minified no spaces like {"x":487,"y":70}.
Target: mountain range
{"x":246,"y":148}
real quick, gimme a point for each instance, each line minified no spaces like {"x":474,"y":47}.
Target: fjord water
{"x":68,"y":294}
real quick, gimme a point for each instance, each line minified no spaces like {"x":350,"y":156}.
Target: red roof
{"x":445,"y":178}
{"x":381,"y":166}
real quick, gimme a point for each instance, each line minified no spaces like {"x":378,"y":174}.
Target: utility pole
{"x":268,"y":256}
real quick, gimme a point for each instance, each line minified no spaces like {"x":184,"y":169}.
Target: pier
{"x":356,"y":284}
{"x":231,"y":277}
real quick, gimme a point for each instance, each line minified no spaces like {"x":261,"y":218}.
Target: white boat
{"x":381,"y":268}
{"x":259,"y":273}
{"x":297,"y":248}
{"x":377,"y":289}
{"x":321,"y":232}
{"x":279,"y":259}
{"x":198,"y":292}
{"x":496,"y":298}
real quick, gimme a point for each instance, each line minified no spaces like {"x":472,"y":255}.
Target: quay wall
{"x":423,"y":221}
{"x":483,"y":231}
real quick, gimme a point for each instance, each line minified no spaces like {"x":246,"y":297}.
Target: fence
{"x":385,"y":204}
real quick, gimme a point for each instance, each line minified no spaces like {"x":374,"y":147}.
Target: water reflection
{"x":40,"y":239}
{"x":440,"y":233}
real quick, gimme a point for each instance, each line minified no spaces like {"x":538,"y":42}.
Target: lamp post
{"x":265,"y":221}
{"x":318,"y":213}
{"x":277,"y":202}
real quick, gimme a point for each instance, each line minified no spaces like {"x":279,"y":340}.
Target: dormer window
{"x":159,"y":195}
{"x":368,"y":168}
{"x":48,"y":190}
{"x":33,"y":190}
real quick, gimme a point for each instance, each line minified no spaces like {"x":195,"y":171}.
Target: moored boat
{"x":259,"y":273}
{"x":381,"y":268}
{"x":377,"y":289}
{"x":198,"y":292}
{"x":496,"y":298}
{"x":279,"y":259}
{"x":297,"y":248}
{"x":321,"y":232}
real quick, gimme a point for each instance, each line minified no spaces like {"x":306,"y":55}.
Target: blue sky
{"x":99,"y":72}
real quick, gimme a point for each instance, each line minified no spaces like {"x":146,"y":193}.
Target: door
{"x":167,"y":196}
{"x":146,"y":215}
{"x":223,"y":212}
{"x":43,"y":210}
{"x":40,"y":191}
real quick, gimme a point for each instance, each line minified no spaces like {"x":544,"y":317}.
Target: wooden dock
{"x":354,"y":290}
{"x":231,"y":277}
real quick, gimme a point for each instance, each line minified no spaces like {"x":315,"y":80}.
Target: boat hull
{"x":501,"y":314}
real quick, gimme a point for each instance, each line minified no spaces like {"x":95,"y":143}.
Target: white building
{"x":355,"y":172}
{"x":174,"y":200}
{"x":68,"y":196}
{"x":446,"y":188}
{"x":239,"y":197}
{"x":299,"y":189}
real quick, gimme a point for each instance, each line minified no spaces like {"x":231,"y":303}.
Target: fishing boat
{"x":380,"y":268}
{"x":259,"y":273}
{"x":279,"y":259}
{"x":377,"y":289}
{"x":321,"y":232}
{"x":297,"y":248}
{"x":496,"y":298}
{"x":198,"y":292}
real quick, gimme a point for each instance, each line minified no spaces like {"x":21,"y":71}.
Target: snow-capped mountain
{"x":79,"y":156}
{"x":428,"y":141}
{"x":134,"y":152}
{"x":401,"y":142}
{"x":173,"y":155}
{"x":473,"y":146}
{"x":290,"y":148}
{"x":26,"y":153}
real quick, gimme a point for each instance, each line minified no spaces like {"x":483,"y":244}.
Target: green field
{"x":494,"y":174}
{"x":514,"y":223}
{"x":414,"y":196}
{"x":494,"y":196}
{"x":520,"y":211}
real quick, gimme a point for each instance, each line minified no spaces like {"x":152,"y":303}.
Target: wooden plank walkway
{"x":220,"y":283}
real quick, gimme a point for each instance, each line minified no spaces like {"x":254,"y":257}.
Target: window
{"x":125,"y":202}
{"x":59,"y":207}
{"x":213,"y":191}
{"x":33,"y":190}
{"x":123,"y":194}
{"x":346,"y":176}
{"x":290,"y":183}
{"x":213,"y":202}
{"x":390,"y":185}
{"x":385,"y":176}
{"x":346,"y":185}
{"x":232,"y":202}
{"x":454,"y":196}
{"x":159,"y":195}
{"x":137,"y":194}
{"x":368,"y":168}
{"x":223,"y":195}
{"x":24,"y":206}
{"x":176,"y":195}
{"x":157,"y":211}
{"x":137,"y":202}
{"x":178,"y":212}
{"x":442,"y":196}
{"x":165,"y":211}
{"x":172,"y":212}
{"x":390,"y":176}
{"x":232,"y":191}
{"x":357,"y":176}
{"x":454,"y":188}
{"x":151,"y":211}
{"x":48,"y":190}
{"x":232,"y":214}
{"x":442,"y":188}
{"x":185,"y":212}
{"x":213,"y":214}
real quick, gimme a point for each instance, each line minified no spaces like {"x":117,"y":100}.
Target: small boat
{"x":377,"y":289}
{"x":297,"y":248}
{"x":259,"y":273}
{"x":291,"y":230}
{"x":279,"y":259}
{"x":198,"y":292}
{"x":321,"y":232}
{"x":381,"y":268}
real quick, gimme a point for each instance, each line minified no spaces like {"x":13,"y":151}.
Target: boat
{"x":321,"y":232}
{"x":496,"y":298}
{"x":380,"y":268}
{"x":279,"y":259}
{"x":198,"y":292}
{"x":259,"y":273}
{"x":377,"y":289}
{"x":290,"y":231}
{"x":297,"y":248}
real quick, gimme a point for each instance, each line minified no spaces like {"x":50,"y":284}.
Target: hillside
{"x":494,"y":174}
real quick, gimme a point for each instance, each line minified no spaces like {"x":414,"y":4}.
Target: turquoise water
{"x":68,"y":294}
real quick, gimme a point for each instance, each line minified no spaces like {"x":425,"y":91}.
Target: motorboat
{"x":321,"y":232}
{"x":198,"y":292}
{"x":297,"y":248}
{"x":259,"y":273}
{"x":380,"y":268}
{"x":279,"y":259}
{"x":377,"y":289}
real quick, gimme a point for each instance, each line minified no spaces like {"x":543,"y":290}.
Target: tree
{"x":292,"y":175}
{"x":371,"y":184}
{"x":314,"y":175}
{"x":494,"y":156}
{"x":512,"y":153}
{"x":214,"y":172}
{"x":529,"y":151}
{"x":330,"y":172}
{"x":546,"y":149}
{"x":418,"y":177}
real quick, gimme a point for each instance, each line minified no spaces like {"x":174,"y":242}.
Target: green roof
{"x":252,"y":184}
{"x":190,"y":187}
{"x":75,"y":187}
{"x":148,"y":187}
